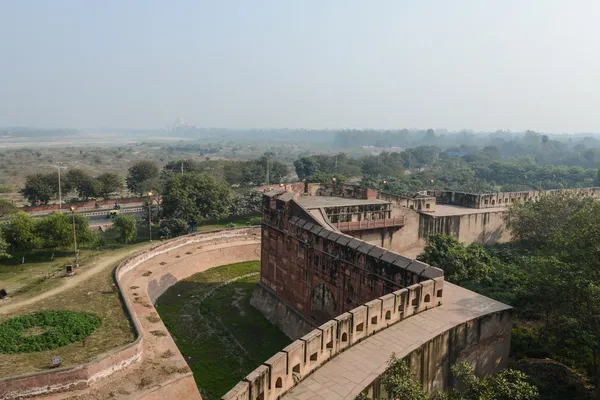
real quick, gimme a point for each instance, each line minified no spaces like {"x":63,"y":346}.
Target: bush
{"x":58,"y":328}
{"x":172,"y":227}
{"x":254,"y":221}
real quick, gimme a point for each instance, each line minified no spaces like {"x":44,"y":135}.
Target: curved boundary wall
{"x":288,"y":367}
{"x":84,"y":375}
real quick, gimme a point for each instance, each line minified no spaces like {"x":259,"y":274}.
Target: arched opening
{"x":493,"y":202}
{"x":279,"y":383}
{"x":344,"y":337}
{"x":427,"y":298}
{"x":388,"y":315}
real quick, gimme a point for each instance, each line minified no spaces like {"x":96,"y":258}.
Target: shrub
{"x":58,"y":328}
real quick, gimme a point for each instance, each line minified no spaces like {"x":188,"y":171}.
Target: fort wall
{"x":484,"y":227}
{"x":287,"y":368}
{"x":500,"y":199}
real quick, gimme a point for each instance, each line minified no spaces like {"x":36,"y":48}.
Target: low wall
{"x":285,"y":369}
{"x":84,"y":375}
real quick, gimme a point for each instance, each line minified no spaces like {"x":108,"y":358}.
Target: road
{"x":95,"y":216}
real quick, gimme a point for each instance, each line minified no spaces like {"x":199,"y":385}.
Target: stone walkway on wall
{"x":350,"y":372}
{"x":163,"y":373}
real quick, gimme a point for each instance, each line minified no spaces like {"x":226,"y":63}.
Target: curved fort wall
{"x":84,"y":375}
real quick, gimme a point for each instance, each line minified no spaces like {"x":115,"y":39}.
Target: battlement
{"x":287,"y":368}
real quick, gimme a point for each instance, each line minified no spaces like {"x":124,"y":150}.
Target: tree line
{"x":550,"y":274}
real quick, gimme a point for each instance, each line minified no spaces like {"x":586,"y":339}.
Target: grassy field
{"x":43,"y":270}
{"x":220,"y":335}
{"x":95,"y":295}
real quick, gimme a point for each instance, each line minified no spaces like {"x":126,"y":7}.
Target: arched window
{"x":344,"y":337}
{"x":427,"y":298}
{"x":279,"y":383}
{"x":388,"y":315}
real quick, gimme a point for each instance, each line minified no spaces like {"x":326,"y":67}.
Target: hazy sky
{"x":478,"y":64}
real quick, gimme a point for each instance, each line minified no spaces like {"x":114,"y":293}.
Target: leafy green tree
{"x":196,"y":198}
{"x":83,"y":183}
{"x":127,"y":227}
{"x":247,"y":202}
{"x":534,"y":223}
{"x":6,"y":208}
{"x":508,"y":384}
{"x":305,"y":167}
{"x":460,"y":263}
{"x":143,"y":177}
{"x":56,"y":230}
{"x":110,"y":182}
{"x":20,"y":233}
{"x":40,"y":188}
{"x":323,"y":177}
{"x":172,"y":227}
{"x":3,"y":247}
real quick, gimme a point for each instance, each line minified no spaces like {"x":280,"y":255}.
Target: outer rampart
{"x":287,"y":368}
{"x":500,"y":199}
{"x":85,"y":375}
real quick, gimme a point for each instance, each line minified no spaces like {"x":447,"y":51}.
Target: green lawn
{"x":220,"y":335}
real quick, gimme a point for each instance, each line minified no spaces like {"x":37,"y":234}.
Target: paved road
{"x":96,"y":217}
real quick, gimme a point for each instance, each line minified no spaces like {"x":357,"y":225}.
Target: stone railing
{"x":285,"y":369}
{"x":84,"y":375}
{"x":370,"y":224}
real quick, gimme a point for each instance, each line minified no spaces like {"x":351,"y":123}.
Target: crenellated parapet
{"x":292,"y":364}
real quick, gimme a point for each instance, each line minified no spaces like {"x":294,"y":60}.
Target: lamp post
{"x":75,"y":238}
{"x":150,"y":215}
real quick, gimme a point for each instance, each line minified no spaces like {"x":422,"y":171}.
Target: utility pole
{"x":268,"y":171}
{"x":150,"y":215}
{"x":75,"y":238}
{"x":59,"y":188}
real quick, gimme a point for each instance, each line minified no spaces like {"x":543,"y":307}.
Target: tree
{"x":6,"y":208}
{"x":3,"y":247}
{"x":322,"y":177}
{"x":56,"y":230}
{"x":505,"y":385}
{"x":143,"y":177}
{"x":533,"y":223}
{"x":172,"y":227}
{"x":20,"y":233}
{"x":109,"y":183}
{"x":247,"y":202}
{"x":305,"y":167}
{"x":85,"y":185}
{"x":460,"y":263}
{"x":126,"y":225}
{"x":196,"y":198}
{"x":40,"y":188}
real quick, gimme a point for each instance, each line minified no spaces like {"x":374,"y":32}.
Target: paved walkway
{"x":350,"y":372}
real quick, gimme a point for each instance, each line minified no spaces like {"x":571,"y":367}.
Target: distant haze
{"x":482,"y":65}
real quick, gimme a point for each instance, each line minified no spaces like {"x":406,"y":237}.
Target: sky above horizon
{"x":472,"y":64}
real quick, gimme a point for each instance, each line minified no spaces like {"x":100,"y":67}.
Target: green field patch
{"x":221,"y":336}
{"x":45,"y":330}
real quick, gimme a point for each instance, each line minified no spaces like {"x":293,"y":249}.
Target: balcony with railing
{"x":394,"y":222}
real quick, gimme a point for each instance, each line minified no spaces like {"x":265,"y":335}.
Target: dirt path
{"x":92,"y":267}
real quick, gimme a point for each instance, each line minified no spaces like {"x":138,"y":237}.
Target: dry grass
{"x":93,"y":295}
